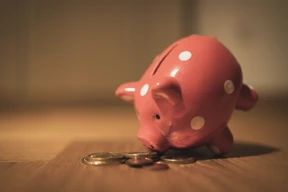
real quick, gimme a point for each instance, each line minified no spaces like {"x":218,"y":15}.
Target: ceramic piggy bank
{"x":187,"y":95}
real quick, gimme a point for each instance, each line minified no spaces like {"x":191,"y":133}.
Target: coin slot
{"x":161,"y":61}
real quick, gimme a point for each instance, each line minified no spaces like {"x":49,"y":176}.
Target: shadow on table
{"x":240,"y":149}
{"x":243,"y":149}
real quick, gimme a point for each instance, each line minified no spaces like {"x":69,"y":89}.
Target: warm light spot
{"x":174,"y":72}
{"x":162,"y":95}
{"x":251,"y":87}
{"x":127,"y":97}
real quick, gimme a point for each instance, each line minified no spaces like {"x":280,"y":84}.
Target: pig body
{"x":187,"y":95}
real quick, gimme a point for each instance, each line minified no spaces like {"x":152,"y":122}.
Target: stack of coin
{"x":140,"y":159}
{"x":152,"y":155}
{"x":139,"y":162}
{"x":103,"y":158}
{"x":149,"y":160}
{"x":175,"y":159}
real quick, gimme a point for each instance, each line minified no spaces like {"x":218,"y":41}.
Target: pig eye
{"x":157,"y":116}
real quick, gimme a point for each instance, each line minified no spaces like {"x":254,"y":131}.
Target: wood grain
{"x":51,"y":162}
{"x":263,"y":172}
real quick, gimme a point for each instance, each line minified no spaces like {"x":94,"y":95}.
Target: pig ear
{"x":126,"y":92}
{"x":167,"y":94}
{"x":247,"y":98}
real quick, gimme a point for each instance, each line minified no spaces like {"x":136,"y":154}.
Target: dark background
{"x":78,"y":51}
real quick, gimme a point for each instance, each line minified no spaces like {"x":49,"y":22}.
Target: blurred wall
{"x":77,"y":50}
{"x":80,"y":50}
{"x":256,"y":32}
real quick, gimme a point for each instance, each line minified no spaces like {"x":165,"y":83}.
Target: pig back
{"x":209,"y":76}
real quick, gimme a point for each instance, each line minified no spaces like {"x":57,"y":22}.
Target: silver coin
{"x":103,"y":156}
{"x":177,"y":159}
{"x":139,"y":162}
{"x":158,"y":166}
{"x":141,"y":155}
{"x":88,"y":161}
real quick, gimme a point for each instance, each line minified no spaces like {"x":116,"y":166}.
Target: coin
{"x":88,"y":161}
{"x":177,"y":159}
{"x":139,"y":162}
{"x":157,"y":166}
{"x":102,"y":156}
{"x":141,"y":155}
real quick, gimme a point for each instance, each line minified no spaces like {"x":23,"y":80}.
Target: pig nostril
{"x":151,"y":146}
{"x":157,"y":116}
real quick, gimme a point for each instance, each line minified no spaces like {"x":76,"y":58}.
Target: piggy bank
{"x":187,"y":96}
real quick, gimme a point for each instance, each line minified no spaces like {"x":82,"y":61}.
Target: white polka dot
{"x":197,"y":123}
{"x":215,"y":149}
{"x":144,"y":90}
{"x":185,"y":55}
{"x":229,"y":87}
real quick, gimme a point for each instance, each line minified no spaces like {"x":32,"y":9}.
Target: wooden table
{"x":40,"y":150}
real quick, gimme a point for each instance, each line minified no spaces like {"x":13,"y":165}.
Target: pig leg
{"x":221,"y":143}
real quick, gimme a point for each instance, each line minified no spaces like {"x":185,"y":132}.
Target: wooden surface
{"x":40,"y":150}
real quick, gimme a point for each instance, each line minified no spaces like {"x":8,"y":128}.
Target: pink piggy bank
{"x":187,"y":95}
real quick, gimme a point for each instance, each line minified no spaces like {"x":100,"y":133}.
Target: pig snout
{"x":247,"y":99}
{"x":154,"y":141}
